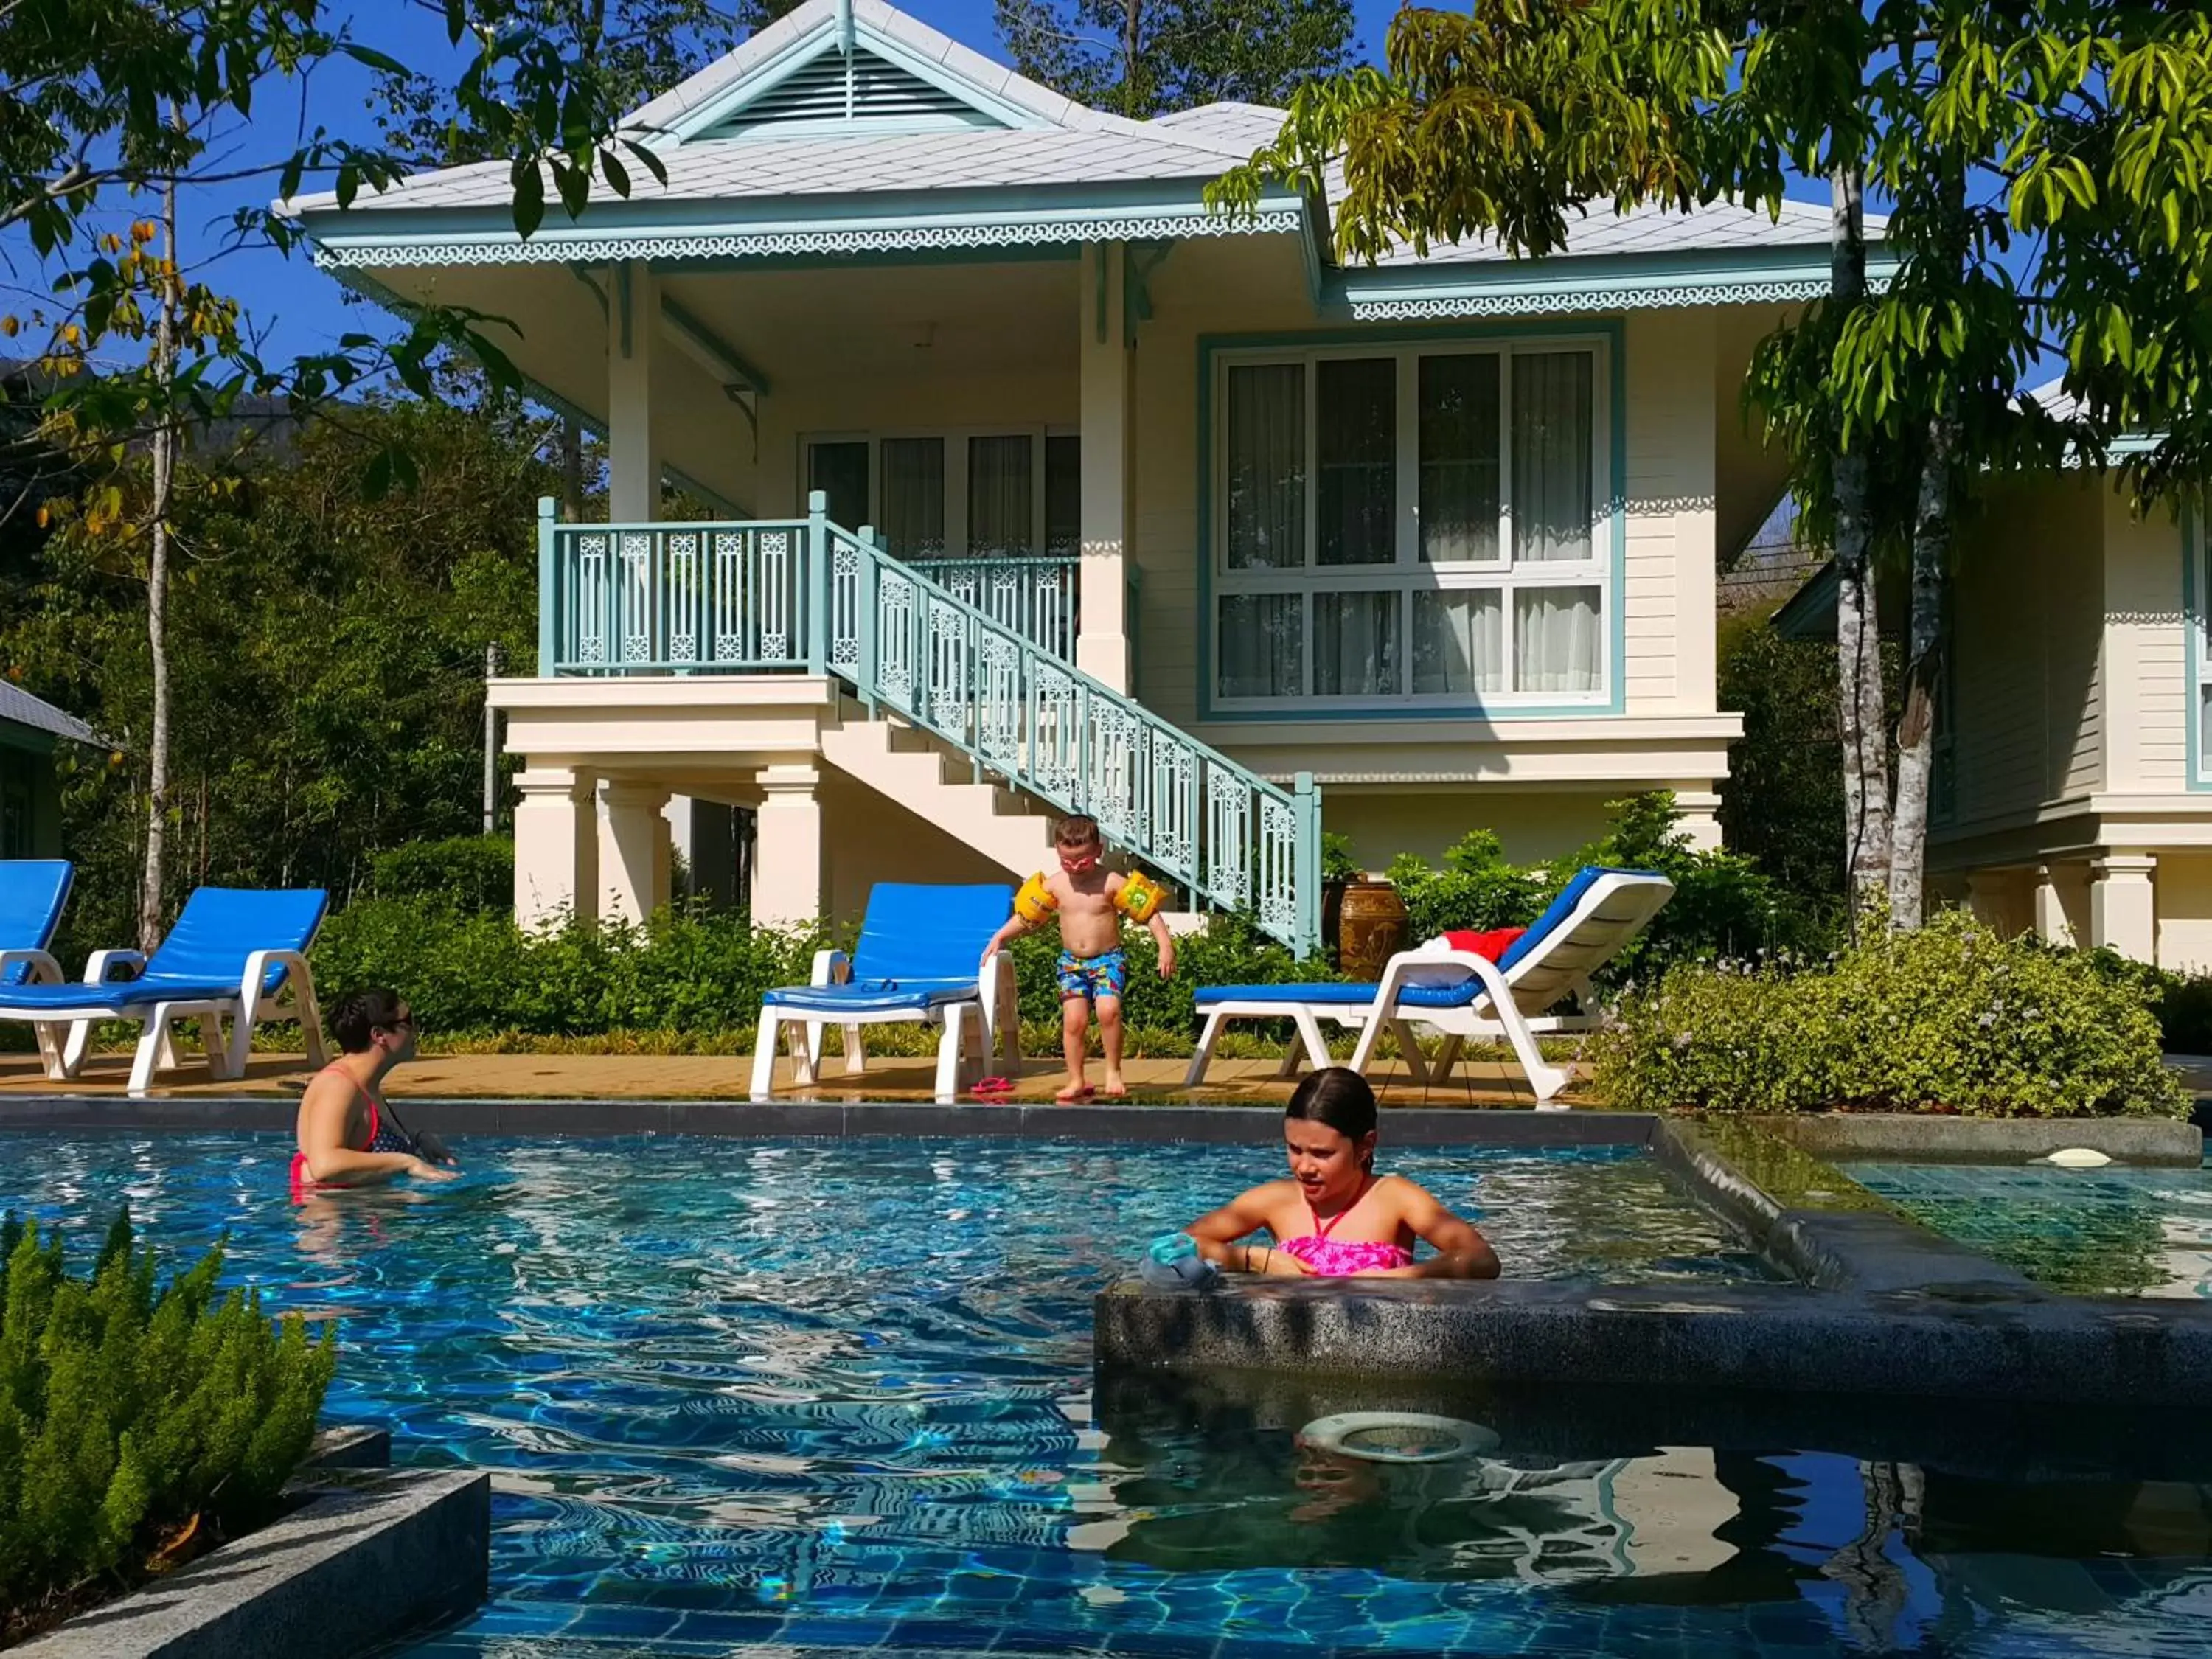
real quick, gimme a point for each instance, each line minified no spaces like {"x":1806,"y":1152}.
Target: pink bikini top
{"x":1329,"y":1258}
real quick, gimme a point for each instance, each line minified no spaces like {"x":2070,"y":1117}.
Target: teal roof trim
{"x":1449,"y":290}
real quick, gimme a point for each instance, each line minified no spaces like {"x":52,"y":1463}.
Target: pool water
{"x":809,"y":1399}
{"x":2110,"y":1231}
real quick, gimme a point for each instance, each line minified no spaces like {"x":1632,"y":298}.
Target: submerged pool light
{"x":1399,"y":1436}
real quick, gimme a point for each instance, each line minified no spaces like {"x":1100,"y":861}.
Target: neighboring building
{"x":30,"y":798}
{"x":1404,"y":550}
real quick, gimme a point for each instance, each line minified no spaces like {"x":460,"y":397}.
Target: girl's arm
{"x":1461,"y":1252}
{"x":1223,"y":1238}
{"x":331,"y":1163}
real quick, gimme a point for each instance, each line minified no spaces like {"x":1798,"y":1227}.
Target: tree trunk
{"x":157,"y":582}
{"x":1858,"y":634}
{"x":572,"y":469}
{"x":1136,"y":100}
{"x":1916,"y":728}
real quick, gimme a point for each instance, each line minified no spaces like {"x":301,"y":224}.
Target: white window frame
{"x":2196,"y":549}
{"x":955,"y":440}
{"x":1407,"y":572}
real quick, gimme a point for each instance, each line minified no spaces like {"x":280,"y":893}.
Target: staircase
{"x":939,"y":681}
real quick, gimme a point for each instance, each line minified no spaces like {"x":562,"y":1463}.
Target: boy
{"x":1089,"y":902}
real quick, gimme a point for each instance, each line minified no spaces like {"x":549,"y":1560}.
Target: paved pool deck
{"x":593,"y":1077}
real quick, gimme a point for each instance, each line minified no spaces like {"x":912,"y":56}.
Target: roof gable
{"x":846,"y":67}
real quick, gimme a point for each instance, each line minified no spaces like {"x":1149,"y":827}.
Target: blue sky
{"x":293,"y":308}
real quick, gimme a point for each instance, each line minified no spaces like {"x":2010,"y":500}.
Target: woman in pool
{"x":347,"y":1134}
{"x":1335,"y":1218}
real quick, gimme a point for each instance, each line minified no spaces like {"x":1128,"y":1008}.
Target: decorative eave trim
{"x":1563,"y":285}
{"x":691,"y":242}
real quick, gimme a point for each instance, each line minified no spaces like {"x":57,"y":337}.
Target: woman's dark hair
{"x":358,"y":1015}
{"x":1338,"y":1097}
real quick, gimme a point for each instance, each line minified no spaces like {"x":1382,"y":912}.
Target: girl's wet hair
{"x":1338,"y":1097}
{"x":358,"y":1015}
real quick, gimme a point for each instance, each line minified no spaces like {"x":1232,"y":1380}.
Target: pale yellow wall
{"x":1534,"y":826}
{"x":2027,"y":637}
{"x":2145,"y":654}
{"x":868,"y":838}
{"x":2184,"y":911}
{"x":1671,"y":419}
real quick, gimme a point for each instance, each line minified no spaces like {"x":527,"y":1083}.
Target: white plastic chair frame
{"x":969,"y":1028}
{"x":226,"y":1056}
{"x":1617,"y":907}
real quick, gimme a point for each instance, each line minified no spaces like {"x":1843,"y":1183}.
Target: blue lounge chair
{"x":1459,"y":992}
{"x":235,"y":954}
{"x":32,"y":894}
{"x":917,"y":960}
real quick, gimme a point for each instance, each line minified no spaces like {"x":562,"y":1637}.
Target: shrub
{"x":1949,"y":1018}
{"x":468,"y":873}
{"x":1723,"y":905}
{"x":129,"y":1415}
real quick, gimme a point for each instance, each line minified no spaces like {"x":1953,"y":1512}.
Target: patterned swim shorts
{"x":1106,"y":974}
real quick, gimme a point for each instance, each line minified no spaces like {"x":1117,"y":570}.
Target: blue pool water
{"x":811,"y":1399}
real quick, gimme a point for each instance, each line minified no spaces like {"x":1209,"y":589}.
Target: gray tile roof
{"x":1070,"y":146}
{"x":19,"y":708}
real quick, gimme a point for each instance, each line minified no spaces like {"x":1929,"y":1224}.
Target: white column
{"x":2123,"y":905}
{"x":1101,"y":649}
{"x":1700,"y":817}
{"x":556,"y":846}
{"x":632,"y":852}
{"x":787,"y":852}
{"x":632,"y":460}
{"x":2051,"y":924}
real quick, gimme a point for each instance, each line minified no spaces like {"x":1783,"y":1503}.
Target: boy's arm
{"x":1013,"y":930}
{"x":1165,"y":942}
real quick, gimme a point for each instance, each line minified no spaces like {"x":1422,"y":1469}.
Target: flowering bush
{"x":1950,"y":1018}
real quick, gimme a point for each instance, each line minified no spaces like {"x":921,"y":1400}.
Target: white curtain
{"x":1355,"y":644}
{"x":1356,"y":480}
{"x":1459,"y":459}
{"x":1552,"y":440}
{"x":1262,"y":646}
{"x":1459,"y":644}
{"x":1556,"y":638}
{"x":999,"y":497}
{"x":1265,"y":460}
{"x":914,"y":497}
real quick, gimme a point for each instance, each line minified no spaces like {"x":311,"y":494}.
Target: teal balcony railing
{"x":993,"y":681}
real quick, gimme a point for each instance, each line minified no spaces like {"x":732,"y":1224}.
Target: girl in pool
{"x":1335,"y":1218}
{"x":348,"y":1135}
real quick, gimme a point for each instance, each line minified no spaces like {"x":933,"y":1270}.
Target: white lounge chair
{"x":1459,"y":992}
{"x":916,"y":962}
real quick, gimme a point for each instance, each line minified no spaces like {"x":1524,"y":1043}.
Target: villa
{"x":1038,"y":486}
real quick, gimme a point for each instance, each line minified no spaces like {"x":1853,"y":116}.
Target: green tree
{"x":1145,"y":57}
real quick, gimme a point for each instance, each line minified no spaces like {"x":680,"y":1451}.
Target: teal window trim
{"x":1612,"y":332}
{"x":2196,"y":777}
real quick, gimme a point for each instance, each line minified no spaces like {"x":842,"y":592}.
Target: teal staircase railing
{"x":808,"y":596}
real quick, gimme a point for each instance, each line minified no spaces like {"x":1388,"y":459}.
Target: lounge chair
{"x":235,"y":954}
{"x":916,"y":961}
{"x":32,"y":894}
{"x":1460,"y":993}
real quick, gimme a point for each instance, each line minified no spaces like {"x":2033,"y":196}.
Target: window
{"x":969,"y":495}
{"x":1402,"y":525}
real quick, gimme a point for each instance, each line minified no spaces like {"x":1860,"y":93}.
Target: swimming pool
{"x":2110,"y":1231}
{"x":826,"y":1398}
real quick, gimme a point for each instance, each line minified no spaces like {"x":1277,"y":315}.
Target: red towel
{"x":1493,"y":944}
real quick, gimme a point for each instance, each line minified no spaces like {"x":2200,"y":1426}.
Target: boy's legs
{"x":1109,"y":1037}
{"x":1074,"y":1043}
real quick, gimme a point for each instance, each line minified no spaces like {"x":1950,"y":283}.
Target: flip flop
{"x":993,"y":1087}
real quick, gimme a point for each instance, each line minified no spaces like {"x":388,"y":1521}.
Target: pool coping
{"x":1405,"y":1125}
{"x":2173,"y":1143}
{"x":368,"y":1556}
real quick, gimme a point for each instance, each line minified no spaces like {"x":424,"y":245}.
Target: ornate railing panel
{"x":979,"y":652}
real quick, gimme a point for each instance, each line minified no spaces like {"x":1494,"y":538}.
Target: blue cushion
{"x":916,"y":931}
{"x":221,"y":926}
{"x":1327,"y":995}
{"x":873,"y":996}
{"x":32,"y":894}
{"x":1556,"y":913}
{"x":60,"y":999}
